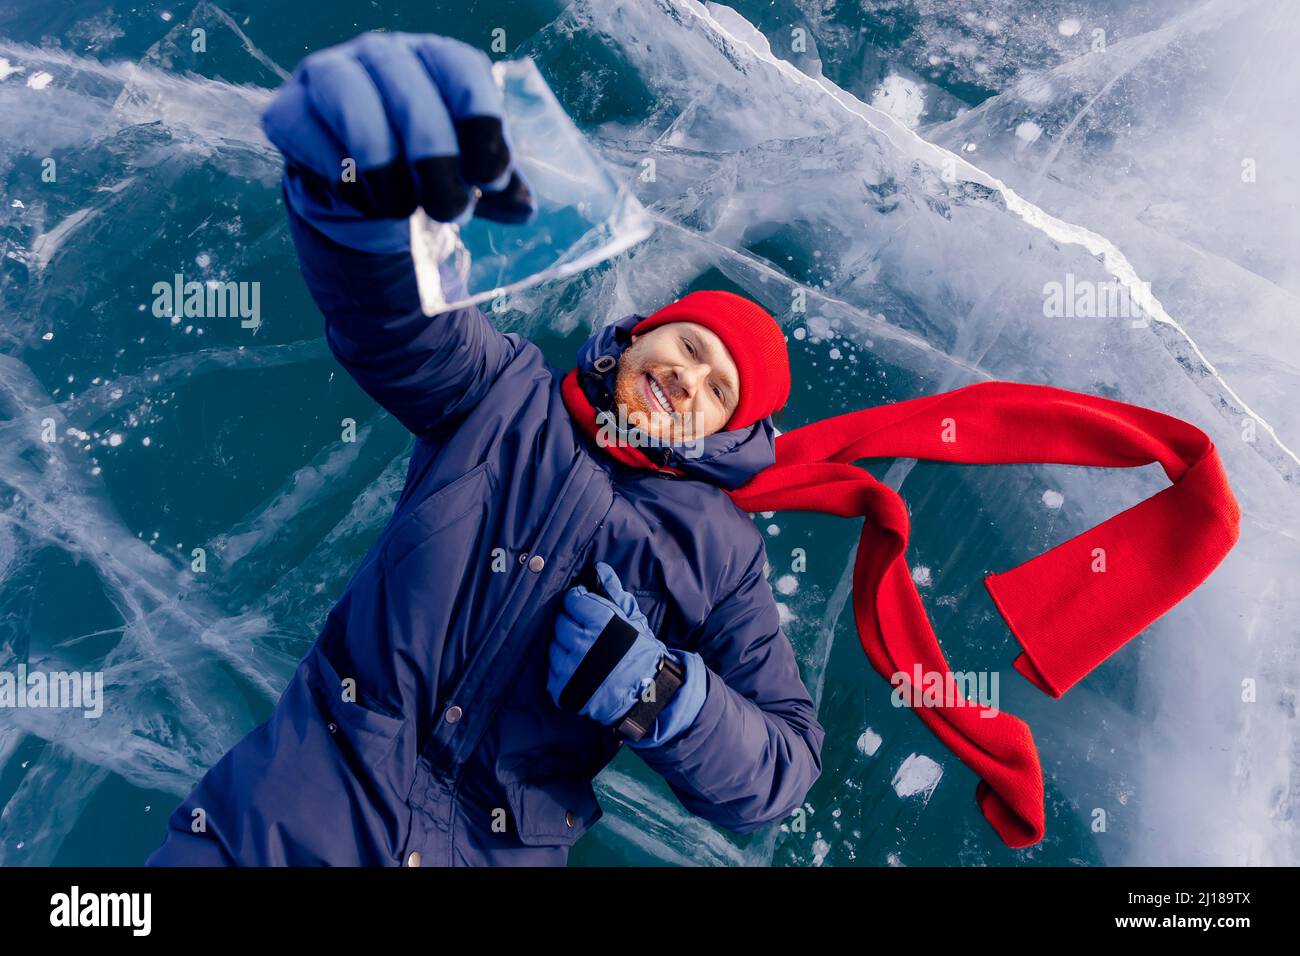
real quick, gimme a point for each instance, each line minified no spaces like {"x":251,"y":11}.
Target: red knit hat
{"x":755,"y":341}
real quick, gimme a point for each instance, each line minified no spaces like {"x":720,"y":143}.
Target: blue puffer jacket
{"x":453,"y":752}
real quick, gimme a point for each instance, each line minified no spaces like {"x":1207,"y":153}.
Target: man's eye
{"x":718,"y":392}
{"x":688,"y":346}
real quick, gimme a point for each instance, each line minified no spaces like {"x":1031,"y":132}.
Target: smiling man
{"x":539,"y":597}
{"x":679,"y":377}
{"x":542,"y":596}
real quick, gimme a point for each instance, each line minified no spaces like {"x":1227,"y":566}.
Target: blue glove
{"x":418,"y":116}
{"x":581,"y":621}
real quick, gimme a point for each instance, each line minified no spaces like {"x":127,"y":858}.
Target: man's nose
{"x":691,"y":377}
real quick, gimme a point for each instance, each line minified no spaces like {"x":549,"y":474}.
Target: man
{"x":466,"y":688}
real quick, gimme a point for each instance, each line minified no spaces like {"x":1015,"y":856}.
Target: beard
{"x":629,"y":392}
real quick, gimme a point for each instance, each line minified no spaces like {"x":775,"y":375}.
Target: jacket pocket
{"x":366,"y":735}
{"x":552,"y":811}
{"x":652,"y":605}
{"x":649,"y":600}
{"x":438,"y":510}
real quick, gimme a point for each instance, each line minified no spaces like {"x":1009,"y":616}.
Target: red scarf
{"x":1070,"y":608}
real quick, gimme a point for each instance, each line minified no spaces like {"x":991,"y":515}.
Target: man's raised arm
{"x":370,"y":130}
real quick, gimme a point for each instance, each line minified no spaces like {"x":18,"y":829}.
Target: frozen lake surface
{"x":1095,"y":195}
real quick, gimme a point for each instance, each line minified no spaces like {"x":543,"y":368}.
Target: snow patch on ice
{"x":784,"y":615}
{"x":820,"y":848}
{"x":917,"y":776}
{"x":1028,"y":131}
{"x":869,"y":742}
{"x":901,"y":98}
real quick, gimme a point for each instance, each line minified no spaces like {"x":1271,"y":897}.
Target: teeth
{"x":659,"y":394}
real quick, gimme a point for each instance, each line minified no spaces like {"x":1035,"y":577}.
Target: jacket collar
{"x":727,"y":459}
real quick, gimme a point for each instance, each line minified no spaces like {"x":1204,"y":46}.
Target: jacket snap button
{"x":568,"y":819}
{"x":333,"y":727}
{"x":453,"y":714}
{"x":413,"y":859}
{"x":604,"y":363}
{"x":537,"y":563}
{"x":523,"y":557}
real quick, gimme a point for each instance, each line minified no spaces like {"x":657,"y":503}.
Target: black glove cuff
{"x":669,"y":678}
{"x":614,"y":641}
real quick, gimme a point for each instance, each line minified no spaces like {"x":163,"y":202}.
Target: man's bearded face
{"x":677,"y":382}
